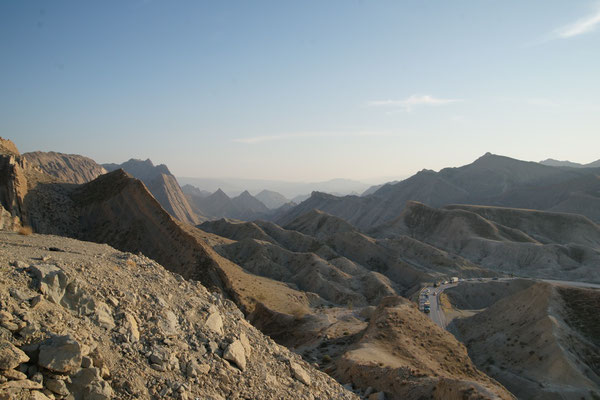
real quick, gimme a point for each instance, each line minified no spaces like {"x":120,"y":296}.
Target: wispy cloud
{"x":542,"y":102}
{"x":584,"y":25}
{"x":286,"y":136}
{"x":411,"y":102}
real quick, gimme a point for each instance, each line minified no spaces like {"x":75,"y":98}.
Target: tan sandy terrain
{"x":541,"y":342}
{"x":404,"y":354}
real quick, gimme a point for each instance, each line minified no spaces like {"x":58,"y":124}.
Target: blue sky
{"x":302,"y":90}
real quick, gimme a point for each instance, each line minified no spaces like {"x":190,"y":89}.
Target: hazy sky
{"x":302,"y":90}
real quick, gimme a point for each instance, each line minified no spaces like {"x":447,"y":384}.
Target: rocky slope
{"x":83,"y":321}
{"x":70,"y":168}
{"x":489,"y":180}
{"x":541,"y":342}
{"x":163,"y":186}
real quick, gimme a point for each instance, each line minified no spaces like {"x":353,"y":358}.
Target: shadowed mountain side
{"x":68,"y":168}
{"x":163,"y":186}
{"x":541,"y":342}
{"x":190,"y":189}
{"x":494,"y":246}
{"x":219,"y":205}
{"x":490,"y":180}
{"x":271,"y":199}
{"x":544,"y":227}
{"x":245,"y":201}
{"x":556,"y":163}
{"x":404,"y":354}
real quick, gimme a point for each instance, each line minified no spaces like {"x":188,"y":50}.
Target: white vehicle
{"x":454,"y":279}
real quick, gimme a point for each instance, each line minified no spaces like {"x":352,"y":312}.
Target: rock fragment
{"x":11,"y":356}
{"x":60,"y":354}
{"x":299,"y":373}
{"x":214,"y":322}
{"x":235,"y":352}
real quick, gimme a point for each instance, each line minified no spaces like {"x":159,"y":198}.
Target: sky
{"x":302,"y":90}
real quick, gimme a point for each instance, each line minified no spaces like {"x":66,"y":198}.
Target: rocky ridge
{"x":69,"y":168}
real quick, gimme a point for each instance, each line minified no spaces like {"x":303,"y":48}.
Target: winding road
{"x":432,"y":294}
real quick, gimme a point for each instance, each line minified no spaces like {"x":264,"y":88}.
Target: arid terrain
{"x":335,"y":290}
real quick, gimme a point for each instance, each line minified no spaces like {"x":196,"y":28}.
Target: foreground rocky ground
{"x":83,"y":321}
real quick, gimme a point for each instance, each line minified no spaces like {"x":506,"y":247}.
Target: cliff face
{"x":69,"y":168}
{"x":13,"y":186}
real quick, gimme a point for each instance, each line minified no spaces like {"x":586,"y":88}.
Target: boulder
{"x":51,"y":281}
{"x":88,"y":384}
{"x":57,"y":386}
{"x":11,"y":356}
{"x":60,"y":354}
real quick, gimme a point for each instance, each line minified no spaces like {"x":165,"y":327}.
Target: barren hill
{"x":532,"y":243}
{"x":84,"y":321}
{"x":411,"y":357}
{"x":69,"y":168}
{"x":489,"y":180}
{"x":540,"y":342}
{"x":163,"y":186}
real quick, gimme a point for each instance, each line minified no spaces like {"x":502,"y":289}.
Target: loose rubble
{"x":90,"y":322}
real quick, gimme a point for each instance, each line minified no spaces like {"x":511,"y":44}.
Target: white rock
{"x":214,"y":322}
{"x":300,"y":374}
{"x":235,"y":352}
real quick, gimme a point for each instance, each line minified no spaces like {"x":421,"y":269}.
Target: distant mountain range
{"x":556,"y":163}
{"x":289,"y":190}
{"x":489,"y":180}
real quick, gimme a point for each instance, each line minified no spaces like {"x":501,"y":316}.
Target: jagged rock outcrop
{"x":13,"y":186}
{"x":163,"y":186}
{"x":52,"y":349}
{"x":69,"y":168}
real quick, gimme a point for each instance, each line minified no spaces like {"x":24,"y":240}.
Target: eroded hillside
{"x":539,"y":340}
